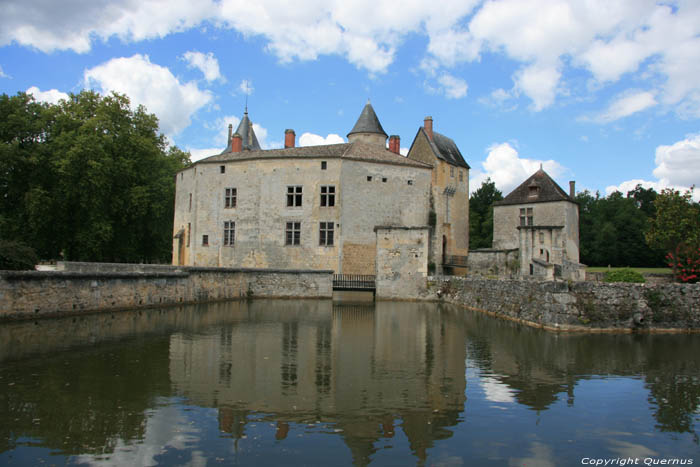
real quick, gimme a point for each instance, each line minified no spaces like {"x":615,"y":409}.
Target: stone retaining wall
{"x":649,"y":277}
{"x":30,"y":294}
{"x":575,"y":306}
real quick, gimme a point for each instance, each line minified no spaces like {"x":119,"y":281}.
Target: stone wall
{"x":30,"y":294}
{"x":498,"y":263}
{"x":402,"y":261}
{"x":650,"y":278}
{"x":582,"y":306}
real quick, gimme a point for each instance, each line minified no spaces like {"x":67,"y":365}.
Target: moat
{"x":297,"y":382}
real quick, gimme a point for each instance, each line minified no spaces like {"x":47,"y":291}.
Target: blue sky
{"x":606,"y":93}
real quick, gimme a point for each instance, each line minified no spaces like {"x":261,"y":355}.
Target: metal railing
{"x":353,"y":282}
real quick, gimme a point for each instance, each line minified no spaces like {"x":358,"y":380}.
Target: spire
{"x":248,"y":138}
{"x":368,"y":122}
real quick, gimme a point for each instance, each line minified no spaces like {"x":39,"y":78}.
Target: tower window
{"x":327,"y":196}
{"x":230,"y":195}
{"x":324,"y":165}
{"x":294,"y":196}
{"x":229,"y":233}
{"x":205,"y":240}
{"x":325,"y":235}
{"x":222,"y":169}
{"x":293,"y":233}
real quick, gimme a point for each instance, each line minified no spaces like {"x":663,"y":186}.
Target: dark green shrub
{"x":623,"y":275}
{"x":16,"y":256}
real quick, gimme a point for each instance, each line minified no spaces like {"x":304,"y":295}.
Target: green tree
{"x":89,"y":179}
{"x":676,"y":227}
{"x":481,"y":214}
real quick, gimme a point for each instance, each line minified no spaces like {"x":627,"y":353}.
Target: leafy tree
{"x":611,"y":229}
{"x":481,"y":214}
{"x":676,"y":227}
{"x":86,"y":179}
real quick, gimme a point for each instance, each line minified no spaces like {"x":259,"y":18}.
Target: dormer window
{"x":533,"y":190}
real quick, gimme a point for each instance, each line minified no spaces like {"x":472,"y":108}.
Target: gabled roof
{"x":368,"y":122}
{"x":542,"y":185}
{"x":443,"y":147}
{"x":359,"y":151}
{"x":245,"y":129}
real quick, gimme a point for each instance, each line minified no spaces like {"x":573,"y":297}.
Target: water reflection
{"x":169,"y":386}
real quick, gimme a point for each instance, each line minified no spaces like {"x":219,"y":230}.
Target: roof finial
{"x":247,"y":93}
{"x":368,"y":101}
{"x":540,"y":165}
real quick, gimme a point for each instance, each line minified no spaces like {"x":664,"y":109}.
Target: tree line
{"x":87,"y":179}
{"x":640,"y":229}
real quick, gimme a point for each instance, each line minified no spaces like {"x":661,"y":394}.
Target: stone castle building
{"x":324,"y":207}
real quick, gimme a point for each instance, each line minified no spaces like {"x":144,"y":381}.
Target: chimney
{"x":428,"y":125}
{"x":230,"y":129}
{"x":289,"y":137}
{"x":236,"y":143}
{"x":572,"y":189}
{"x":395,"y":144}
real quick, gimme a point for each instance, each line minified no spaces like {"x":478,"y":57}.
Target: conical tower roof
{"x":368,"y":122}
{"x":245,"y":129}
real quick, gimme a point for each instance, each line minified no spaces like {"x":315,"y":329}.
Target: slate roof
{"x":245,"y":129}
{"x":548,"y":190}
{"x":368,"y":122}
{"x":444,"y":148}
{"x":352,"y":151}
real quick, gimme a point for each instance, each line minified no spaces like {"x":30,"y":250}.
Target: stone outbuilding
{"x":541,"y":221}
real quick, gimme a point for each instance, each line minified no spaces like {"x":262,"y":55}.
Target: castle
{"x":340,"y":207}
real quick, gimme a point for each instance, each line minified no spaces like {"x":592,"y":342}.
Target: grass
{"x":639,"y":270}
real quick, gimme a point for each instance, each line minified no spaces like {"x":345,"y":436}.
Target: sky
{"x":603,"y":92}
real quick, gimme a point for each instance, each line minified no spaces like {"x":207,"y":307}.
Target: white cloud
{"x":679,"y":163}
{"x":677,"y":166}
{"x":658,"y":42}
{"x":246,"y":87}
{"x":507,"y":169}
{"x":50,"y":26}
{"x":153,"y":86}
{"x":52,"y":96}
{"x":540,"y":83}
{"x":3,"y":74}
{"x":206,"y":63}
{"x":628,"y":103}
{"x":310,"y":139}
{"x":199,"y":154}
{"x":452,"y":87}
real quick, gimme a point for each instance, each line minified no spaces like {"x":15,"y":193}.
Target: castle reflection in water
{"x":361,"y":367}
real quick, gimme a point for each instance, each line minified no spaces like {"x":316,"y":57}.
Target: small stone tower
{"x":367,"y":129}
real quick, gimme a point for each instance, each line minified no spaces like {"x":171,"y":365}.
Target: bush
{"x":16,"y":256}
{"x":623,"y":275}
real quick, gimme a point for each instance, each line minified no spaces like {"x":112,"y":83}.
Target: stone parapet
{"x":32,"y":294}
{"x":575,"y":306}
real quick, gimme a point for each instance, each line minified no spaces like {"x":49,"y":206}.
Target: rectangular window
{"x":229,"y":233}
{"x":460,"y":176}
{"x":541,"y":237}
{"x":222,"y":168}
{"x":190,"y":208}
{"x":452,"y":171}
{"x":327,"y":196}
{"x":383,"y":179}
{"x":529,"y":216}
{"x":369,"y":178}
{"x":324,"y":165}
{"x":205,"y":240}
{"x":293,"y":196}
{"x":522,"y":217}
{"x":293,"y":233}
{"x":325,"y":234}
{"x":410,"y":182}
{"x":230,"y":198}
